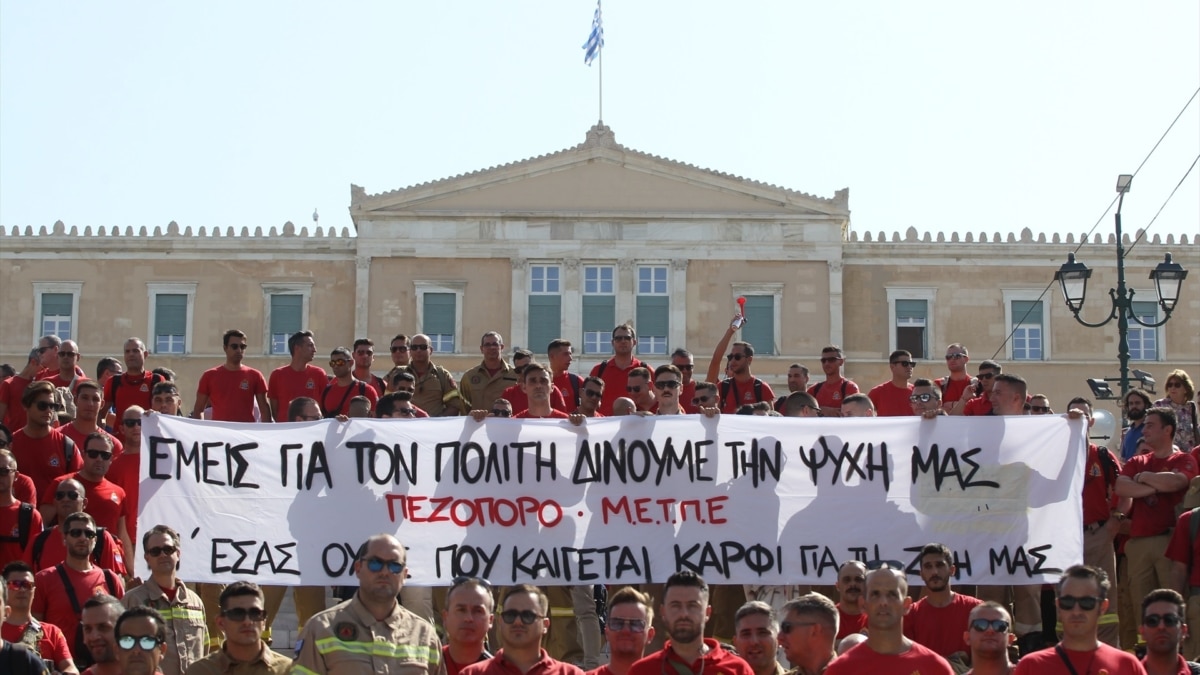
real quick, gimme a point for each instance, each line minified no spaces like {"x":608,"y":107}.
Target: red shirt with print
{"x":231,"y":393}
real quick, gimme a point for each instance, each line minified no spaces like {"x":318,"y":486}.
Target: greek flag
{"x":595,"y":41}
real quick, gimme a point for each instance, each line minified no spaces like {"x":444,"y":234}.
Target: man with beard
{"x":467,"y":620}
{"x":1162,"y":628}
{"x":242,"y":622}
{"x":615,"y":371}
{"x":231,"y":388}
{"x":345,"y":637}
{"x":807,"y":633}
{"x":524,"y":621}
{"x":988,"y":636}
{"x":99,"y":618}
{"x":797,"y":381}
{"x":335,"y":397}
{"x":685,"y":610}
{"x":755,"y":636}
{"x":936,"y":619}
{"x":47,"y":548}
{"x":628,"y":629}
{"x":831,"y":391}
{"x":851,"y":617}
{"x":181,"y":608}
{"x":886,"y":649}
{"x":1137,"y":402}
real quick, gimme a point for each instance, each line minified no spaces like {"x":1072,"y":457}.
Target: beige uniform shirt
{"x":219,"y":663}
{"x":436,"y":391}
{"x":347,"y":640}
{"x":482,"y":389}
{"x":187,"y":632}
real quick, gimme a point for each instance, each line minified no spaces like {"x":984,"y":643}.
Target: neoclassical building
{"x":570,"y":244}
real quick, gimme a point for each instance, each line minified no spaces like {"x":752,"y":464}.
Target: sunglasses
{"x":1149,"y":621}
{"x":418,"y":348}
{"x":146,"y":642}
{"x":1039,"y":408}
{"x":399,"y":349}
{"x":460,"y":580}
{"x":527,"y":616}
{"x":667,"y":384}
{"x":237,"y":347}
{"x":501,"y":413}
{"x":632,"y":625}
{"x":700,"y":400}
{"x":637,"y":389}
{"x":19,"y":585}
{"x":686,"y":366}
{"x":986,"y":376}
{"x":955,"y":355}
{"x":592,"y":393}
{"x":62,"y":354}
{"x":239,"y":614}
{"x":338,"y":363}
{"x":407,"y":412}
{"x":99,"y":454}
{"x":923,"y":398}
{"x":131,"y":423}
{"x":1086,"y":603}
{"x":4,"y":471}
{"x":786,"y":627}
{"x":981,"y":625}
{"x":377,"y":565}
{"x":885,"y":565}
{"x":68,"y":494}
{"x":1174,"y":384}
{"x":48,"y":405}
{"x":734,"y":357}
{"x":830,"y":359}
{"x":42,"y":350}
{"x":166,"y":549}
{"x":81,"y":532}
{"x":906,"y":364}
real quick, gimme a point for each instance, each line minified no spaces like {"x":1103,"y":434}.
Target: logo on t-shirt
{"x":114,"y":497}
{"x":143,"y":389}
{"x":310,"y":385}
{"x":54,"y":461}
{"x":245,"y":385}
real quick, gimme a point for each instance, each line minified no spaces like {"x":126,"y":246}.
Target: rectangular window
{"x":170,"y":323}
{"x":911,"y":322}
{"x":1027,"y":336}
{"x":1143,"y":341}
{"x":287,"y":316}
{"x":545,"y":306}
{"x":653,"y":310}
{"x":440,"y":315}
{"x":56,"y":314}
{"x":759,"y":329}
{"x":599,"y":308}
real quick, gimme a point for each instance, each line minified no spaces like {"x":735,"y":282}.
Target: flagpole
{"x":600,"y":56}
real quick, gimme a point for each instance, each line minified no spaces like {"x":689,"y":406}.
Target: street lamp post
{"x":1168,"y":278}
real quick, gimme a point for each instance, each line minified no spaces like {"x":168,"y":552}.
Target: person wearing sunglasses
{"x":628,"y":628}
{"x":141,"y":637}
{"x":42,"y":359}
{"x":1039,"y":404}
{"x":668,"y":384}
{"x":18,"y":660}
{"x":48,"y":548}
{"x":20,"y":521}
{"x":891,"y":397}
{"x":185,"y":627}
{"x":590,"y":397}
{"x":89,"y":408}
{"x":742,"y":387}
{"x":437,"y":392}
{"x":232,"y":389}
{"x":988,"y":637}
{"x":981,"y":403}
{"x":957,"y":387}
{"x":43,"y":450}
{"x":1081,"y":596}
{"x":808,"y":632}
{"x":371,"y":632}
{"x":524,"y":620}
{"x":926,"y":399}
{"x":62,"y":589}
{"x":44,"y":639}
{"x":125,"y":470}
{"x":297,"y":378}
{"x":937,"y":618}
{"x":1180,"y":398}
{"x":107,"y":501}
{"x":242,"y":622}
{"x":835,"y":387}
{"x":335,"y":397}
{"x":364,"y":358}
{"x":1163,"y":627}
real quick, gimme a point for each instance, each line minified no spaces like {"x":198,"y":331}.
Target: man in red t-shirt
{"x":299,"y":378}
{"x":515,"y":394}
{"x":628,"y":628}
{"x":62,"y":589}
{"x":524,"y":621}
{"x":615,"y":371}
{"x":683,"y":360}
{"x":126,"y":469}
{"x":851,"y":617}
{"x":742,"y":387}
{"x":231,"y":388}
{"x":88,"y":403}
{"x":68,"y":371}
{"x":891,"y":397}
{"x":136,"y":385}
{"x":12,"y":536}
{"x":561,"y":354}
{"x":535,"y":380}
{"x":957,"y":386}
{"x":48,"y":548}
{"x":43,"y":360}
{"x":364,"y":358}
{"x":42,"y":451}
{"x":981,"y":404}
{"x":19,"y":627}
{"x":937,"y":619}
{"x":807,"y":633}
{"x":335,"y":397}
{"x":1156,"y":481}
{"x":107,"y":501}
{"x":830,"y":392}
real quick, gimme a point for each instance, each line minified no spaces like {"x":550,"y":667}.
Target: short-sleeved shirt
{"x":44,"y":459}
{"x":940,"y":628}
{"x":335,"y":398}
{"x":736,"y":394}
{"x":51,"y":601}
{"x":918,"y":660}
{"x":554,"y":415}
{"x":220,"y":663}
{"x":1098,"y":482}
{"x":890,"y":400}
{"x":53,"y":550}
{"x":129,"y":389}
{"x":80,"y":439}
{"x":715,"y":661}
{"x":187,"y":632}
{"x":11,"y":390}
{"x":10,"y":531}
{"x":516,"y":396}
{"x":287,"y":384}
{"x":1183,"y":549}
{"x":615,"y":378}
{"x":125,"y":471}
{"x":46,"y":638}
{"x":346,"y":639}
{"x":498,"y":665}
{"x":831,"y":394}
{"x":106,"y":501}
{"x":978,"y":406}
{"x":453,"y":667}
{"x":482,"y":388}
{"x":952,"y":390}
{"x":1155,"y":514}
{"x":850,"y":624}
{"x":232,"y":393}
{"x":1103,"y":659}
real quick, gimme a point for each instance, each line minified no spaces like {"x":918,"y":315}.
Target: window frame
{"x":271,"y":288}
{"x":774,"y":289}
{"x":458,"y":288}
{"x":1011,"y":295}
{"x":153,"y":290}
{"x":74,"y":288}
{"x":926,"y":293}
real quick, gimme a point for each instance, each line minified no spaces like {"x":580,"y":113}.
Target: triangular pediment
{"x":598,"y":177}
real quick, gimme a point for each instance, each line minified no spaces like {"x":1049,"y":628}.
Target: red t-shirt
{"x":1155,"y":514}
{"x":940,"y":628}
{"x":288,"y":384}
{"x":497,"y":665}
{"x":128,"y":390}
{"x":831,"y":394}
{"x":1103,"y":659}
{"x":23,"y":489}
{"x":615,"y":378}
{"x":686,"y":394}
{"x":79,"y":437}
{"x":554,"y":415}
{"x":106,"y":501}
{"x":952,"y":390}
{"x":11,"y":391}
{"x":1178,"y":547}
{"x":44,"y":459}
{"x":336,"y":398}
{"x":890,"y":400}
{"x":602,"y":670}
{"x":10,"y":528}
{"x":735,"y":394}
{"x":849,"y":624}
{"x":453,"y":667}
{"x":918,"y":660}
{"x":516,"y":396}
{"x":1098,"y":497}
{"x":50,"y":599}
{"x":231,"y":393}
{"x":52,"y":647}
{"x":716,"y":661}
{"x":980,"y":405}
{"x":126,"y":472}
{"x":562,"y":382}
{"x":1181,"y":665}
{"x":54,"y":551}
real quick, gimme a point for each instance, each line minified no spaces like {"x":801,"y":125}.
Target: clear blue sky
{"x":946,"y":116}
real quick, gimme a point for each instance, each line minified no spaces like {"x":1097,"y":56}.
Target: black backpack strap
{"x":817,"y":388}
{"x":576,"y":384}
{"x":758,"y":385}
{"x":69,"y":451}
{"x":101,"y":545}
{"x":844,"y":383}
{"x":110,"y":580}
{"x":600,"y":370}
{"x":61,"y":568}
{"x":39,"y":544}
{"x":362,"y":391}
{"x":24,"y":523}
{"x":726,"y":385}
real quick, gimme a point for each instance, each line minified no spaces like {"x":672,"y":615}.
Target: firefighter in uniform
{"x":371,"y":632}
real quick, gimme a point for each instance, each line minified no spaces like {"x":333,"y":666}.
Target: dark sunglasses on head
{"x":885,"y":565}
{"x":255,"y":614}
{"x":131,"y":423}
{"x":981,"y":625}
{"x":48,"y":405}
{"x":592,"y":393}
{"x":633,"y":625}
{"x":1087,"y":603}
{"x":906,"y":364}
{"x":166,"y":549}
{"x":667,"y":384}
{"x":923,"y":398}
{"x":146,"y":642}
{"x":81,"y":532}
{"x":527,"y":616}
{"x":399,"y":349}
{"x":377,"y":565}
{"x":101,"y":454}
{"x":67,"y":494}
{"x":1168,"y":620}
{"x":19,"y":585}
{"x":497,"y":412}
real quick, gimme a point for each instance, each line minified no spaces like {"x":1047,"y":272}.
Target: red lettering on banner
{"x":481,"y":511}
{"x":640,"y":510}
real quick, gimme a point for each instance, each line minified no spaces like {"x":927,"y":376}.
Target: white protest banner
{"x":738,"y":499}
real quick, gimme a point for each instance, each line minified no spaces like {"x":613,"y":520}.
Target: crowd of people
{"x":70,"y":447}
